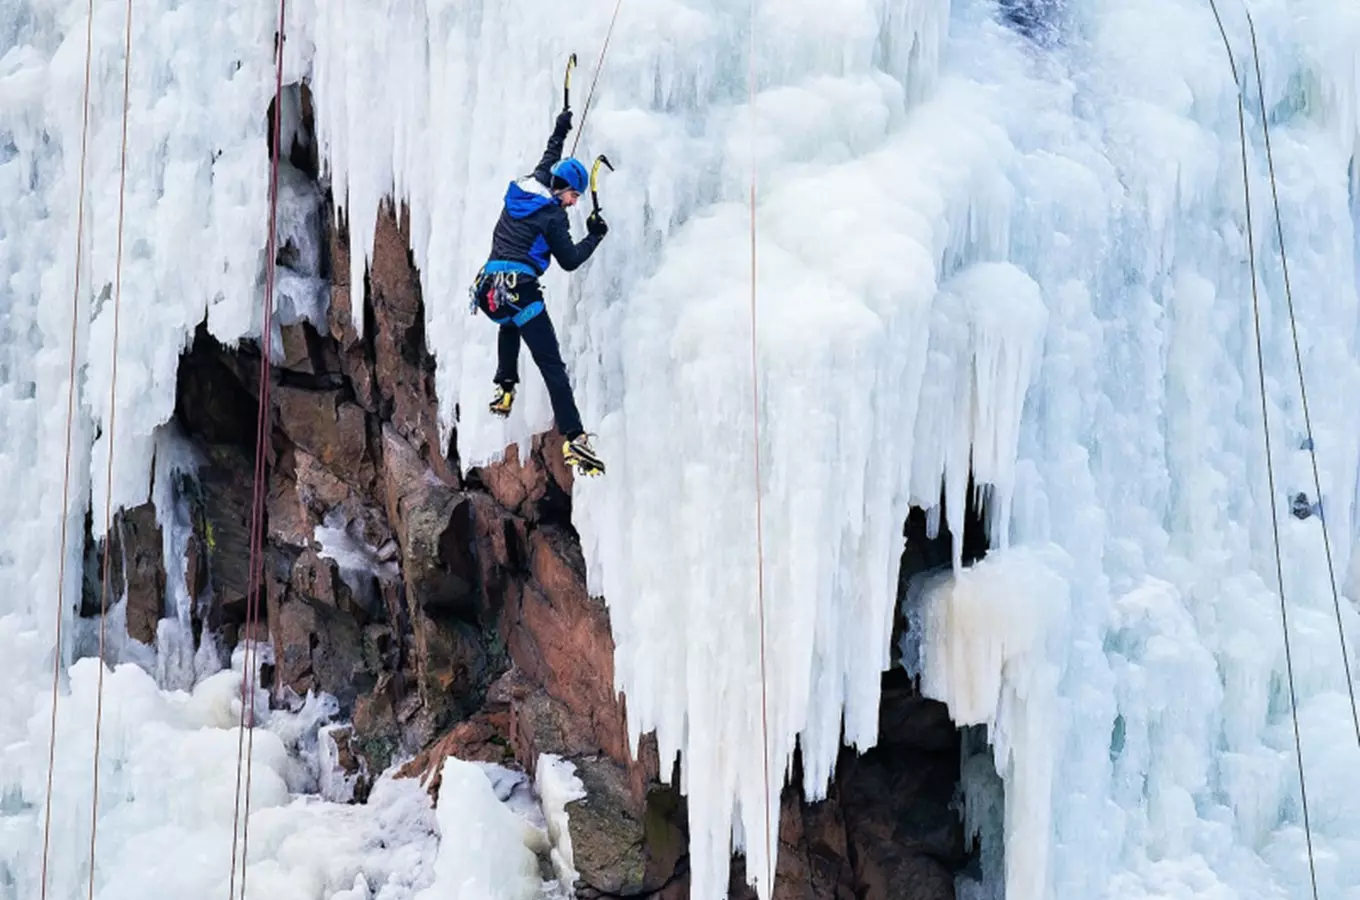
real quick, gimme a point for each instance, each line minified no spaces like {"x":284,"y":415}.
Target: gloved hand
{"x":564,"y":121}
{"x":596,"y":225}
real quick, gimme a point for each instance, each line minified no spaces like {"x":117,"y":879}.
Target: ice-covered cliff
{"x":1005,"y":240}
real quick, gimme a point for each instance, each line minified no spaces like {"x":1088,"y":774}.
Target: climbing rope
{"x":1270,"y":468}
{"x":755,"y":414}
{"x":113,"y":418}
{"x":1298,"y":361}
{"x":599,"y":66}
{"x":70,"y":420}
{"x":755,"y":425}
{"x":245,"y":746}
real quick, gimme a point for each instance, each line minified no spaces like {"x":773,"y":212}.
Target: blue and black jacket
{"x":533,"y":224}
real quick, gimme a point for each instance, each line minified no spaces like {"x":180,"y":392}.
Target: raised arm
{"x":553,"y":152}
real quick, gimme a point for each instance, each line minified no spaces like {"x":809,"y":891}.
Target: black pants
{"x":539,"y":334}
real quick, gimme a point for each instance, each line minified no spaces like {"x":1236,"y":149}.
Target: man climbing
{"x":532,"y":225}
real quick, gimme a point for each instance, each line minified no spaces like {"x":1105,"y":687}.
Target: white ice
{"x":495,"y":861}
{"x":167,"y":796}
{"x":973,"y":250}
{"x":197,"y":180}
{"x":556,"y":785}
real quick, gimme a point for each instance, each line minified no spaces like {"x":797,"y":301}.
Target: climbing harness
{"x":493,"y":291}
{"x":70,"y":421}
{"x":1265,"y":429}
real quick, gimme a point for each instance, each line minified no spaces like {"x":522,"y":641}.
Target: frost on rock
{"x":360,"y":564}
{"x":336,"y":782}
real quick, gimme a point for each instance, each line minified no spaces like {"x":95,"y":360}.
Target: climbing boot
{"x":503,"y":400}
{"x":579,"y":454}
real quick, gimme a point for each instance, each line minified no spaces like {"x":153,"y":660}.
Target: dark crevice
{"x":555,"y":509}
{"x":923,"y":553}
{"x":320,"y":382}
{"x":301,"y":150}
{"x":216,"y":395}
{"x":216,"y":409}
{"x":915,"y":731}
{"x":1039,"y":20}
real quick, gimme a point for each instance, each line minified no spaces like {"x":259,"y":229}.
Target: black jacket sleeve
{"x":569,"y":255}
{"x":553,"y":152}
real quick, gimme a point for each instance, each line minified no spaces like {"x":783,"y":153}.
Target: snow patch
{"x":485,"y":848}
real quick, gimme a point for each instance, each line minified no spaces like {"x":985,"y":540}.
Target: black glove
{"x":596,"y":225}
{"x":564,"y":121}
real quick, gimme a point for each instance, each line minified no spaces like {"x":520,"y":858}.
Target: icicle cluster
{"x":975,"y":253}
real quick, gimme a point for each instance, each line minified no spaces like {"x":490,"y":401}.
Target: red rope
{"x":70,"y":419}
{"x":241,"y":818}
{"x":113,"y":418}
{"x":760,"y":530}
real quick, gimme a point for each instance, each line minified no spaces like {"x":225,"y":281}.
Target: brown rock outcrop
{"x":450,"y":615}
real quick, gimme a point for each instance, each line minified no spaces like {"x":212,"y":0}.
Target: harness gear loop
{"x":492,"y":291}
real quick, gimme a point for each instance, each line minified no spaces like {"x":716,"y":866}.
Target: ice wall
{"x":1141,"y":465}
{"x":975,"y":249}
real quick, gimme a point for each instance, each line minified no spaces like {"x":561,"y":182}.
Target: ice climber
{"x":533,"y":224}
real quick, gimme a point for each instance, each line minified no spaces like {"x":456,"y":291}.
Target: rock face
{"x":886,"y":830}
{"x":136,"y":565}
{"x":451,"y":616}
{"x":905,"y":839}
{"x":215,"y":402}
{"x":627,"y":835}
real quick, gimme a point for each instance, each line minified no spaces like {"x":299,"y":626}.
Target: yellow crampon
{"x":501,"y":403}
{"x":582,"y":457}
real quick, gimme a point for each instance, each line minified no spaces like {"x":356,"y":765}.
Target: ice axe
{"x":566,"y":83}
{"x":595,"y":181}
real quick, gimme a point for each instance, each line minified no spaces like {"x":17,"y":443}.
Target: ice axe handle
{"x":566,"y":83}
{"x":595,"y":180}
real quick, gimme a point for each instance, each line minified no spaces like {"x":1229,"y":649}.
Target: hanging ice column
{"x":872,"y":379}
{"x":983,"y":636}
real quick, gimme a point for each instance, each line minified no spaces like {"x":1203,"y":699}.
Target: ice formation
{"x":557,"y":785}
{"x":496,"y":863}
{"x":1006,"y":237}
